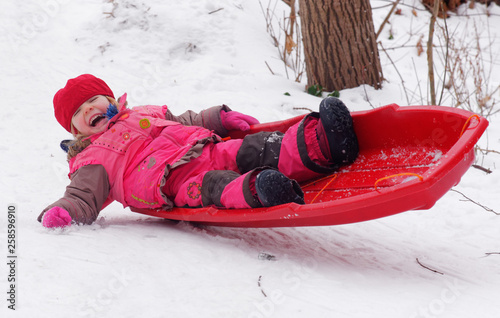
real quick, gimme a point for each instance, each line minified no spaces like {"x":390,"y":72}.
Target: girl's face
{"x":90,"y":118}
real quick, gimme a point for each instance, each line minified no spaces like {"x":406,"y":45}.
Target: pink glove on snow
{"x":56,"y":217}
{"x":236,"y":121}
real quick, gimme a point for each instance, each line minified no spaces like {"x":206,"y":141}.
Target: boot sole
{"x":284,"y":190}
{"x":339,"y":128}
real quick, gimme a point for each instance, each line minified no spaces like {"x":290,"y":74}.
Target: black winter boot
{"x":338,"y":127}
{"x":274,"y":188}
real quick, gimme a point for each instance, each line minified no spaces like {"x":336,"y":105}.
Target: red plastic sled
{"x":409,"y":158}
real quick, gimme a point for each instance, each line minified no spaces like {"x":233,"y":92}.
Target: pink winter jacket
{"x":129,"y":161}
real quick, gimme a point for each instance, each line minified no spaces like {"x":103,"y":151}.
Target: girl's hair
{"x":81,"y":142}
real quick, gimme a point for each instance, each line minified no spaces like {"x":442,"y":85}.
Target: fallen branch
{"x":492,"y":253}
{"x":269,"y":68}
{"x":258,"y":283}
{"x":476,"y":203}
{"x":488,"y":171}
{"x":216,"y":10}
{"x":303,"y":108}
{"x":426,"y":267}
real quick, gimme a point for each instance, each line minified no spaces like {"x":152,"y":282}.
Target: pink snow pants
{"x":224,"y":174}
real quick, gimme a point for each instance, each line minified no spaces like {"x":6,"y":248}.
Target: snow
{"x":191,"y":55}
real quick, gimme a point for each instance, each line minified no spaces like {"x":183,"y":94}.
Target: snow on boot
{"x":338,"y":127}
{"x":274,"y":188}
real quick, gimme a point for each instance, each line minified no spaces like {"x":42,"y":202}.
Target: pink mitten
{"x":237,"y":121}
{"x":56,"y":217}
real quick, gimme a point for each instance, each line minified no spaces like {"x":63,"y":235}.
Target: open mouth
{"x":96,"y":119}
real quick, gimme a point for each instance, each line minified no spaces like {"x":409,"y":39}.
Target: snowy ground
{"x":190,"y":56}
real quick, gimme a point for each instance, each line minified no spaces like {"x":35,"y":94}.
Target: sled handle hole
{"x":397,"y":175}
{"x":466,"y":125}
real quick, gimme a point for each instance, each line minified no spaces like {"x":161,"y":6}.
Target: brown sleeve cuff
{"x":85,"y":195}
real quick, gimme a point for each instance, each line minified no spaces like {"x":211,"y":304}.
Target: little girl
{"x":146,"y":157}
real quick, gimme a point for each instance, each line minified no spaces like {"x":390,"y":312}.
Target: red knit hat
{"x":76,"y":92}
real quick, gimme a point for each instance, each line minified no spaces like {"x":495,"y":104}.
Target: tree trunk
{"x":339,"y":44}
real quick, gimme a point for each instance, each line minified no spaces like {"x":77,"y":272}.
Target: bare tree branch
{"x":426,"y":267}
{"x":386,"y":19}
{"x":430,"y":60}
